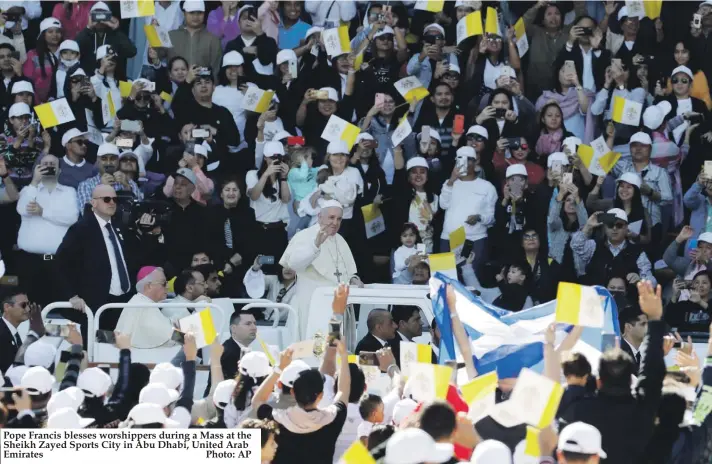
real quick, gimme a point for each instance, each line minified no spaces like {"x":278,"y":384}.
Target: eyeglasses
{"x":619,"y":225}
{"x":523,"y":146}
{"x":451,"y":76}
{"x":23,"y":304}
{"x":143,"y":97}
{"x":682,"y":80}
{"x":107,"y":199}
{"x":80,"y":142}
{"x":530,"y":236}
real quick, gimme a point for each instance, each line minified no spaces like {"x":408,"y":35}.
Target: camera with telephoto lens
{"x":129,"y":211}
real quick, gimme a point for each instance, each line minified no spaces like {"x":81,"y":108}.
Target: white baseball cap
{"x":641,"y":137}
{"x":285,"y":55}
{"x":478,"y":130}
{"x":313,"y":30}
{"x":149,"y":413}
{"x":433,"y":135}
{"x":557,"y":156}
{"x":467,"y":152}
{"x":233,"y":58}
{"x":339,"y":147}
{"x":582,"y":438}
{"x":94,"y":382}
{"x":280,"y":135}
{"x":71,"y":397}
{"x":67,"y":418}
{"x":37,"y":380}
{"x":49,"y":23}
{"x":243,"y":8}
{"x":364,"y":136}
{"x":623,"y":12}
{"x":40,"y":354}
{"x":70,"y":45}
{"x":190,"y":6}
{"x":78,"y":72}
{"x":654,"y":115}
{"x":619,"y":214}
{"x":200,"y":150}
{"x":19,"y":109}
{"x":255,"y":364}
{"x":159,"y":394}
{"x":415,"y":445}
{"x":435,"y":26}
{"x":491,"y":451}
{"x":416,"y":162}
{"x":15,"y":373}
{"x":682,"y":69}
{"x":705,"y":237}
{"x":22,"y":86}
{"x":272,"y":149}
{"x":107,"y":149}
{"x":102,"y":51}
{"x":71,"y":134}
{"x":333,"y":94}
{"x":99,"y":6}
{"x":384,"y":31}
{"x":631,"y":178}
{"x":223,"y":392}
{"x":402,"y":410}
{"x":516,"y":170}
{"x":168,"y":375}
{"x":188,"y":174}
{"x":291,"y":372}
{"x":454,"y":67}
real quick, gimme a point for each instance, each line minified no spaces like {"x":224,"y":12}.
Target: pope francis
{"x":321,"y":258}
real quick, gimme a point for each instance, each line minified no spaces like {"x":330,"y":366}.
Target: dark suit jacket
{"x":8,"y":347}
{"x":599,"y":63}
{"x":83,"y":266}
{"x":369,"y":343}
{"x":626,"y":347}
{"x":229,"y":359}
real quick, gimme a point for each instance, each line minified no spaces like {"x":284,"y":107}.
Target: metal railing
{"x":87,"y":311}
{"x":292,"y":318}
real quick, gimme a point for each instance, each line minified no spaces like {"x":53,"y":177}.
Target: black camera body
{"x":587,"y":31}
{"x":98,"y":16}
{"x":129,"y":210}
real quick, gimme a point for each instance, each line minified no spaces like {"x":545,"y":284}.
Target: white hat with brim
{"x":49,"y":23}
{"x":705,"y":237}
{"x":78,"y":72}
{"x":630,"y":178}
{"x":296,"y":367}
{"x":19,"y":109}
{"x":71,"y":397}
{"x":67,"y":418}
{"x":435,"y":26}
{"x":232,"y":58}
{"x":581,"y":438}
{"x":557,"y":156}
{"x":454,"y":67}
{"x":102,"y":51}
{"x":491,"y":451}
{"x":619,"y":214}
{"x":654,"y":116}
{"x":285,"y":55}
{"x":338,"y":147}
{"x":640,"y":137}
{"x":200,"y":149}
{"x":333,"y":94}
{"x":364,"y":136}
{"x":167,"y":373}
{"x":414,"y":445}
{"x":272,"y":149}
{"x":94,"y":382}
{"x":70,"y":45}
{"x":188,"y":174}
{"x":159,"y":394}
{"x":683,"y":70}
{"x":623,"y":13}
{"x":516,"y":170}
{"x":255,"y":364}
{"x":40,"y":354}
{"x":107,"y":149}
{"x":385,"y":31}
{"x":281,"y":135}
{"x":467,"y":152}
{"x":149,"y":413}
{"x":71,"y":134}
{"x":191,"y":6}
{"x":99,"y":6}
{"x":22,"y":86}
{"x":15,"y":373}
{"x":223,"y":392}
{"x":478,"y":130}
{"x":313,"y":30}
{"x":37,"y":380}
{"x":403,"y":409}
{"x":417,"y":162}
{"x":433,"y":135}
{"x":243,"y":8}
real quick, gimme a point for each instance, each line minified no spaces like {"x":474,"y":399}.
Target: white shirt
{"x":382,"y":342}
{"x":589,"y":82}
{"x":115,"y":287}
{"x":492,"y":72}
{"x":231,"y":98}
{"x":267,"y":211}
{"x":349,"y":176}
{"x":43,"y":234}
{"x":72,"y":164}
{"x":464,"y":199}
{"x":632,"y":348}
{"x":403,"y":337}
{"x":399,"y":258}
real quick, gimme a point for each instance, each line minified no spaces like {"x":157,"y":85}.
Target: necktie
{"x":637,"y":358}
{"x":18,"y":340}
{"x":123,"y":275}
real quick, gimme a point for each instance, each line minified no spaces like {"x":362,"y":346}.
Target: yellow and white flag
{"x":403,"y":130}
{"x":520,"y":34}
{"x":202,"y":326}
{"x":54,"y":113}
{"x":598,"y":163}
{"x":166,"y":97}
{"x":627,"y":111}
{"x":653,"y":8}
{"x":108,"y":108}
{"x":535,"y":398}
{"x":137,"y":8}
{"x":443,"y":262}
{"x":429,"y":381}
{"x":256,"y":99}
{"x":479,"y":394}
{"x":434,"y":6}
{"x":336,"y":41}
{"x":411,"y":353}
{"x":125,"y":88}
{"x":338,"y":129}
{"x":373,"y":219}
{"x":157,"y":37}
{"x":492,"y":22}
{"x":411,"y":88}
{"x":469,"y":26}
{"x":357,"y":454}
{"x":457,"y":242}
{"x":579,"y":305}
{"x":531,"y":446}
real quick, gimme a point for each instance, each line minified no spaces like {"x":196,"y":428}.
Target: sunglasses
{"x":80,"y":142}
{"x":619,"y":225}
{"x":682,"y":80}
{"x":476,"y":138}
{"x":23,"y":304}
{"x":530,"y":236}
{"x":143,"y":97}
{"x":107,"y":200}
{"x":523,"y":146}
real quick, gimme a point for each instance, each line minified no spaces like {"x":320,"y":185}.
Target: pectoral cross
{"x":338,"y":275}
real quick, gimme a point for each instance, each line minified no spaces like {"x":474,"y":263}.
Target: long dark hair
{"x":428,"y":187}
{"x":637,"y":210}
{"x":505,"y":92}
{"x":268,"y":191}
{"x":243,"y":387}
{"x":565,"y":218}
{"x":542,"y":112}
{"x":169,"y":66}
{"x":43,"y":53}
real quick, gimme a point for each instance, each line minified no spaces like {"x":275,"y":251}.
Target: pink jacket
{"x":203,"y":190}
{"x":269,"y":20}
{"x":31,"y":69}
{"x":77,"y":21}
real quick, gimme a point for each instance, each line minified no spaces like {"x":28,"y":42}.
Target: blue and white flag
{"x":503,"y":340}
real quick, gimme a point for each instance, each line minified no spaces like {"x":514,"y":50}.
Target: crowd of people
{"x":201,"y":162}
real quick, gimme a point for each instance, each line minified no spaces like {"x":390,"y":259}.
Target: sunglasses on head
{"x":108,"y":200}
{"x":682,"y":80}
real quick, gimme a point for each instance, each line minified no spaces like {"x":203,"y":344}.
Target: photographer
{"x":103,"y":29}
{"x":24,"y":143}
{"x":692,"y":314}
{"x":195,"y":158}
{"x":106,"y":84}
{"x":131,"y":135}
{"x":82,"y":99}
{"x":107,"y":162}
{"x":258,"y":49}
{"x":131,"y":164}
{"x":145,"y":105}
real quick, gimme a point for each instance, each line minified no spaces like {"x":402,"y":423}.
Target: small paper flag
{"x":411,"y":88}
{"x":434,"y":6}
{"x":266,"y":351}
{"x":403,"y":130}
{"x":479,"y":394}
{"x":166,"y":97}
{"x":520,"y":35}
{"x":137,"y":8}
{"x":256,"y":99}
{"x":443,"y":262}
{"x":157,"y":38}
{"x":339,"y":129}
{"x":578,"y":305}
{"x":336,"y":41}
{"x":531,"y":447}
{"x":626,"y":111}
{"x":411,"y":353}
{"x":202,"y":326}
{"x":54,"y":113}
{"x":373,"y":219}
{"x":535,"y":398}
{"x":457,"y":242}
{"x":357,"y":454}
{"x":492,"y":22}
{"x":429,"y":381}
{"x":469,"y":26}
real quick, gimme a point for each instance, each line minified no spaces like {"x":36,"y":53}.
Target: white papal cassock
{"x":328,"y":265}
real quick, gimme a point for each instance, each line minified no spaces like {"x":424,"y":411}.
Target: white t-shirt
{"x":267,"y":210}
{"x":352,"y":176}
